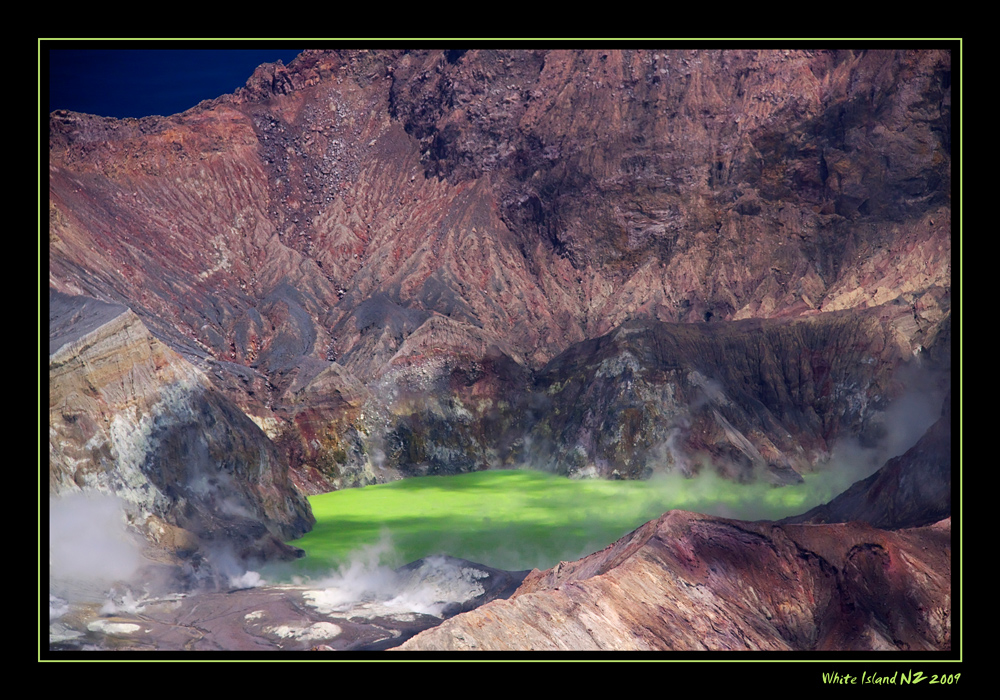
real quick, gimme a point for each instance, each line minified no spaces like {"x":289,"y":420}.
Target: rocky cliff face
{"x":129,"y":417}
{"x":368,"y":265}
{"x":383,"y":257}
{"x":687,"y":582}
{"x":912,"y":489}
{"x":754,"y":398}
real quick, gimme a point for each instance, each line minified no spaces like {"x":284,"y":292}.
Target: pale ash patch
{"x":106,"y":627}
{"x":313,"y":632}
{"x":131,"y":441}
{"x":268,"y":424}
{"x":616,"y":366}
{"x":218,"y":242}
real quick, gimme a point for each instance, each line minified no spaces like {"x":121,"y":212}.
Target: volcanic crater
{"x":370,"y":265}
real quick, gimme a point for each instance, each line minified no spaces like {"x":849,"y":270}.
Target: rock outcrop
{"x":755,"y":398}
{"x":394,"y":224}
{"x":367,"y":265}
{"x":129,"y":417}
{"x":911,"y":490}
{"x":688,"y":582}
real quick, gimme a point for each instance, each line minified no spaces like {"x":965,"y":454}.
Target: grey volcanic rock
{"x":74,"y":318}
{"x":335,"y":615}
{"x":911,"y":490}
{"x":353,"y":205}
{"x":755,"y":397}
{"x":367,"y":265}
{"x":129,"y":417}
{"x":688,"y":582}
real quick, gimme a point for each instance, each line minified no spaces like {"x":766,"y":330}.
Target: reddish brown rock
{"x":408,"y":262}
{"x":376,"y":221}
{"x":128,"y":417}
{"x":538,"y":198}
{"x":690,"y":582}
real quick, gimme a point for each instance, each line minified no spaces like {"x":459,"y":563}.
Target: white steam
{"x":57,"y":607}
{"x":248,"y":579}
{"x":897,"y":429}
{"x":89,"y":542}
{"x":365,"y":587}
{"x":893,"y":431}
{"x":124,"y":601}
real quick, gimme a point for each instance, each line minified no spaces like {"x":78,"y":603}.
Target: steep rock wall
{"x":129,"y":417}
{"x":377,"y":211}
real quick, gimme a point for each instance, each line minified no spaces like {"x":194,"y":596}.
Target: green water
{"x":520,"y":519}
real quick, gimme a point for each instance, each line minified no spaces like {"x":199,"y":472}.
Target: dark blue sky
{"x":130,"y":82}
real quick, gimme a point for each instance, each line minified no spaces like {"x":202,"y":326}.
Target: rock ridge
{"x":689,"y":582}
{"x":128,"y":417}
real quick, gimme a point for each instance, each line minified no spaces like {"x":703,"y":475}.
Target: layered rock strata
{"x":373,"y":264}
{"x":349,"y":236}
{"x":130,"y":418}
{"x":689,"y":582}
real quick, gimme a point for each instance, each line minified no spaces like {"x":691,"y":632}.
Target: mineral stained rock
{"x":366,"y":265}
{"x":374,"y":253}
{"x":689,"y":582}
{"x":129,"y":417}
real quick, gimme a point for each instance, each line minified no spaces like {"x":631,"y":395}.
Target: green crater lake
{"x":519,"y":519}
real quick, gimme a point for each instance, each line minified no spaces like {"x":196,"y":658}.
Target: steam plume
{"x":88,"y":540}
